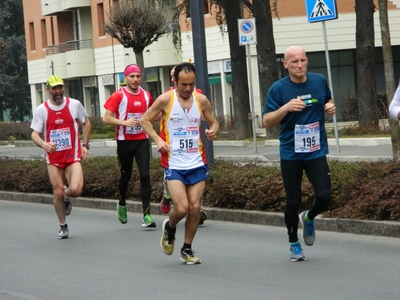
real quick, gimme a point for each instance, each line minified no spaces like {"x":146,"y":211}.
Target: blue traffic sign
{"x":321,"y":10}
{"x":247,"y":26}
{"x":247,"y":31}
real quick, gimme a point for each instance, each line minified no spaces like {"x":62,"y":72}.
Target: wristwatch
{"x":86,"y":146}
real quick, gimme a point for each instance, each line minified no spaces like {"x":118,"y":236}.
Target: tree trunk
{"x":365,"y":66}
{"x":140,"y":63}
{"x":240,"y":87}
{"x":1,"y":111}
{"x":389,"y":74}
{"x":268,"y":71}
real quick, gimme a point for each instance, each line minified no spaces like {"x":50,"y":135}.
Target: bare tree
{"x":268,"y":72}
{"x":227,"y":13}
{"x":137,"y":24}
{"x":389,"y":74}
{"x":365,"y":64}
{"x":240,"y":85}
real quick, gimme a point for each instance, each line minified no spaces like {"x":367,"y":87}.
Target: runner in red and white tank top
{"x":125,"y":109}
{"x":61,"y":128}
{"x":55,"y":127}
{"x":125,"y":104}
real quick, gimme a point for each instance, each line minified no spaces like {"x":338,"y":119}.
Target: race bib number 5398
{"x":61,"y":137}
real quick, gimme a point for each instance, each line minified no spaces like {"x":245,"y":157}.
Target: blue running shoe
{"x":296,"y":252}
{"x":308,"y":229}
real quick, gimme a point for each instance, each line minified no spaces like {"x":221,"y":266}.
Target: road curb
{"x":378,"y":228}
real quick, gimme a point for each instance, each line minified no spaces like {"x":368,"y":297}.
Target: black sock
{"x":169,"y":228}
{"x":122,"y":203}
{"x":187,"y":246}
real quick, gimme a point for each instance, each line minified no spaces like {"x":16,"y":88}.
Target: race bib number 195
{"x":306,"y":138}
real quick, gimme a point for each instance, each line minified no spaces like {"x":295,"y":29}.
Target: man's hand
{"x":162,"y":146}
{"x":296,"y":105}
{"x":330,"y":108}
{"x":49,"y":147}
{"x":85,"y":154}
{"x":132,"y":122}
{"x":210,"y":134}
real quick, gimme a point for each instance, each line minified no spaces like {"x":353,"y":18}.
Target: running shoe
{"x":308,"y":229}
{"x":203,"y":217}
{"x":167,"y":240}
{"x":165,"y":204}
{"x":187,"y":256}
{"x":67,"y":202}
{"x":148,"y":221}
{"x":296,"y":252}
{"x":63,"y":232}
{"x":122,"y":215}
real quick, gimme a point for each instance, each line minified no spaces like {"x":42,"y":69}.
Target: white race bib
{"x":136,"y":129}
{"x":62,"y":137}
{"x":186,"y":139}
{"x":306,"y":138}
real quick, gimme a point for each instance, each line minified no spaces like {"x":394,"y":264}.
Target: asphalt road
{"x":104,"y":259}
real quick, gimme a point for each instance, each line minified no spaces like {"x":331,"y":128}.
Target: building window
{"x":44,"y":33}
{"x":32,"y":36}
{"x":206,"y":9}
{"x":100,"y":19}
{"x":52,"y":31}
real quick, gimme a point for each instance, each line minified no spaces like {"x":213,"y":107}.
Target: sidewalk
{"x":349,"y":149}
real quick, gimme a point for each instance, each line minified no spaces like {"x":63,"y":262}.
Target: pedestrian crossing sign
{"x":321,"y":10}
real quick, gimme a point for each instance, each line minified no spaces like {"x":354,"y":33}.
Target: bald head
{"x":296,"y":62}
{"x":293,"y":51}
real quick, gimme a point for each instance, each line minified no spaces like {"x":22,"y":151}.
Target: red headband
{"x":132,"y":69}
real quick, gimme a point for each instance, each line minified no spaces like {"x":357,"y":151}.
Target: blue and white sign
{"x":321,"y":10}
{"x":247,"y":32}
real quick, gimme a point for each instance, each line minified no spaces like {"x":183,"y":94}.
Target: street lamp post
{"x":200,"y":59}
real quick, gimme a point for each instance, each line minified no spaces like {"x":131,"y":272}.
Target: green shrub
{"x":360,"y":190}
{"x":12,"y":131}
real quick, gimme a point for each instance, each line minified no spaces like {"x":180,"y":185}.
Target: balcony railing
{"x":69,"y":46}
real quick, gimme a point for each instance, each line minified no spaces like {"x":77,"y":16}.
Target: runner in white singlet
{"x":182,"y":154}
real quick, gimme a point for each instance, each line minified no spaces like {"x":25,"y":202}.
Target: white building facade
{"x":64,"y":37}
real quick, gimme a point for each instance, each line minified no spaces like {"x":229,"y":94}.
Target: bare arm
{"x":86,"y":135}
{"x":110,"y":119}
{"x":86,"y":127}
{"x":210,"y":118}
{"x":37,"y":139}
{"x":152,"y":114}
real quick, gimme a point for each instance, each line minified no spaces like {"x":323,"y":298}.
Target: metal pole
{"x":328,"y":66}
{"x":200,"y":60}
{"x":253,"y":115}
